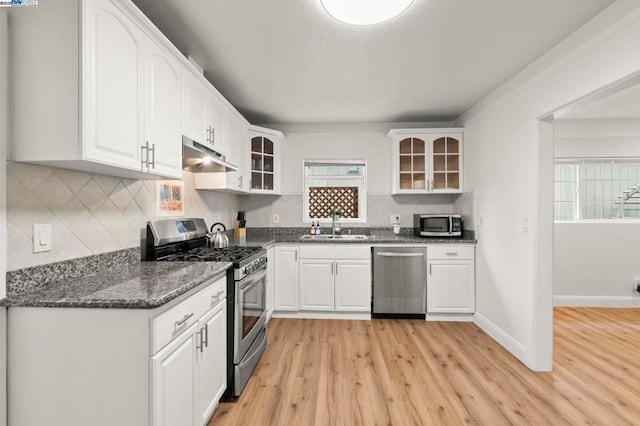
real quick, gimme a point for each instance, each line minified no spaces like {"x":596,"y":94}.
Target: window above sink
{"x":334,"y":184}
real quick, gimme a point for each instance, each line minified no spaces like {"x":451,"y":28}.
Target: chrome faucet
{"x":335,"y":225}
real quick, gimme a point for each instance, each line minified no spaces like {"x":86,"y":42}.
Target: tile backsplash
{"x":90,"y":213}
{"x":260,"y":210}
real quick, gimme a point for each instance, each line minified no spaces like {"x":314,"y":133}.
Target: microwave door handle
{"x":450,"y":224}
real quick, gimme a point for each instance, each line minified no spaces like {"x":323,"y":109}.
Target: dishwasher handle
{"x":392,"y":254}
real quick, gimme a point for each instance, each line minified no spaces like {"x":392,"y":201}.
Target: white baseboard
{"x":512,"y":345}
{"x":450,"y":317}
{"x":323,"y":315}
{"x":597,"y":301}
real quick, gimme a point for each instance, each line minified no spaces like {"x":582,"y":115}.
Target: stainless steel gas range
{"x":186,"y":240}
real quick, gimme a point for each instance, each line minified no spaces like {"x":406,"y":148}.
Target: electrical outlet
{"x":394,"y":218}
{"x":636,"y":285}
{"x":276,"y":218}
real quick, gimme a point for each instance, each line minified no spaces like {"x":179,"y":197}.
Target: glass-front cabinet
{"x":426,"y":161}
{"x":264,"y":161}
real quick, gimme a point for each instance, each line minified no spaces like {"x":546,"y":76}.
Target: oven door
{"x":250,"y":311}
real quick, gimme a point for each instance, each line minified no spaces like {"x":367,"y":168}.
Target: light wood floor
{"x":399,"y":372}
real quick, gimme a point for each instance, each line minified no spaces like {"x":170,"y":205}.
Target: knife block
{"x":239,"y":232}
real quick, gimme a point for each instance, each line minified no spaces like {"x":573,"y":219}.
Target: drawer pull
{"x":199,"y":333}
{"x":205,"y":333}
{"x":452,"y":254}
{"x":183,"y":320}
{"x":216,"y":296}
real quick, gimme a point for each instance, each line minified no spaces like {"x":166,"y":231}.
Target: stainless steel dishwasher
{"x":399,"y":282}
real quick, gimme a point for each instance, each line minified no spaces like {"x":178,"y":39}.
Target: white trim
{"x":598,"y":301}
{"x":322,"y":315}
{"x":502,"y":337}
{"x":449,"y":317}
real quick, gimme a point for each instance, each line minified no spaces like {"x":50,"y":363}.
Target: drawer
{"x":214,"y":293}
{"x":317,"y":251}
{"x":360,"y":251}
{"x":168,"y":325}
{"x":450,"y":252}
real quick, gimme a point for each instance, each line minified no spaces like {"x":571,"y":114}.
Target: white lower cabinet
{"x":335,"y":278}
{"x":125,"y":367}
{"x":353,"y":285}
{"x":270,"y":287}
{"x":286,"y":279}
{"x":316,"y":284}
{"x":451,"y":279}
{"x":174,"y":374}
{"x":211,"y":359}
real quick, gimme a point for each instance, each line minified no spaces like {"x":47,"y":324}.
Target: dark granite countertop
{"x":142,"y":285}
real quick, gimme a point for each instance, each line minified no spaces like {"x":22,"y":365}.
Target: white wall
{"x":343,"y":141}
{"x":595,"y":264}
{"x":597,"y":138}
{"x":3,"y":211}
{"x":503,"y":163}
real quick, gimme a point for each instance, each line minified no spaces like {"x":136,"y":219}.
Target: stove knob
{"x":248,"y":269}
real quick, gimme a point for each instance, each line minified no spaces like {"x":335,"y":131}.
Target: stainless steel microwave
{"x":437,"y":225}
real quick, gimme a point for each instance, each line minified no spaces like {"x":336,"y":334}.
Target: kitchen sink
{"x":345,"y":237}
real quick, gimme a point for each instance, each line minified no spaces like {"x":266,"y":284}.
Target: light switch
{"x":42,"y":238}
{"x":276,"y":218}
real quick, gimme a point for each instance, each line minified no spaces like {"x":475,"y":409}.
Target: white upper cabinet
{"x":195,"y":120}
{"x":264,"y":160}
{"x":113,"y":93}
{"x":162,"y":111}
{"x":427,"y":161}
{"x":109,"y":96}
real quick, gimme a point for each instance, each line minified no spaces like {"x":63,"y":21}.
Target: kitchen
{"x":502,"y":320}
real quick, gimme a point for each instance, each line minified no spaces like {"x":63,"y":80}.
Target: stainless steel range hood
{"x":198,"y":158}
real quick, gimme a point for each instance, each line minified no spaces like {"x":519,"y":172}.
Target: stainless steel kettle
{"x":217,"y":237}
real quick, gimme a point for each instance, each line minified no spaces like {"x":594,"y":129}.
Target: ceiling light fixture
{"x":365,"y":12}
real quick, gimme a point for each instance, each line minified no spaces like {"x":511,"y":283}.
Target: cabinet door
{"x":194,"y":110}
{"x":212,"y":360}
{"x":236,"y":135}
{"x":353,"y":285}
{"x":270,"y":282}
{"x":412,"y":164}
{"x":217,"y":123}
{"x":112,"y":87}
{"x":451,"y":286}
{"x":173,"y":382}
{"x":316,"y":284}
{"x":286,"y":282}
{"x":163,"y":124}
{"x":446,"y":162}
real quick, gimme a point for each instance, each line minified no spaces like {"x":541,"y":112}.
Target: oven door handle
{"x":254,"y":279}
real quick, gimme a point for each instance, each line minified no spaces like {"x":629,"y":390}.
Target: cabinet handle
{"x":452,"y":254}
{"x":209,"y":134}
{"x":213,"y":136}
{"x":331,"y":268}
{"x":144,"y":156}
{"x":206,"y":334}
{"x":199,"y":333}
{"x":336,"y":269}
{"x":183,"y":320}
{"x":296,"y":255}
{"x":430,"y":265}
{"x":216,"y":296}
{"x":152,"y":164}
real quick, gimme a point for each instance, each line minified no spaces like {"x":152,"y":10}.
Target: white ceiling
{"x":287,"y":61}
